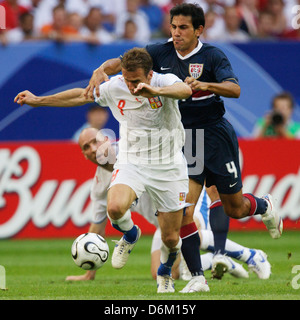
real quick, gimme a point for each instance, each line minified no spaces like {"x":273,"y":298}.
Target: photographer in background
{"x":278,"y":122}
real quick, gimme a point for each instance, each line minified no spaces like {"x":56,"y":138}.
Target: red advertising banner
{"x":45,"y":187}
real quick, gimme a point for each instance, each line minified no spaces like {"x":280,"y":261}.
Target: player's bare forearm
{"x":69,"y":98}
{"x":178,"y":90}
{"x":225,"y":89}
{"x":109,"y":67}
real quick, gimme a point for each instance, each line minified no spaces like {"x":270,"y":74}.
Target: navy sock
{"x":130,"y":235}
{"x":165,"y":268}
{"x":190,"y":248}
{"x":219,"y":222}
{"x":258,"y":205}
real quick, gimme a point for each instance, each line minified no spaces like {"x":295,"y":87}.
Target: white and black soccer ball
{"x":90,"y":251}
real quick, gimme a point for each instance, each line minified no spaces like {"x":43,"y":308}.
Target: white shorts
{"x":201,"y":214}
{"x":167,"y":187}
{"x":143,"y":205}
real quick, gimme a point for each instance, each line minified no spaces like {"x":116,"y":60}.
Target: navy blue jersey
{"x":208,"y":64}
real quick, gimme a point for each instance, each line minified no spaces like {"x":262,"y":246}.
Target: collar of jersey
{"x":199,"y":46}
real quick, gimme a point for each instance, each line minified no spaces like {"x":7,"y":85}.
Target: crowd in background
{"x":106,"y":21}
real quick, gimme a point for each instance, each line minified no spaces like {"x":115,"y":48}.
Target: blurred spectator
{"x":217,"y":6}
{"x":265,"y":26}
{"x":59,"y":29}
{"x":278,"y":122}
{"x":93,"y":30}
{"x":81,"y":7}
{"x":111,"y":10}
{"x":13,"y":11}
{"x":24,"y":32}
{"x":214,"y":23}
{"x":210,"y":20}
{"x":75,"y":21}
{"x":96,"y":117}
{"x":232,"y":31}
{"x":153,"y":12}
{"x":164,"y":30}
{"x":276,"y":7}
{"x":249,"y":14}
{"x":130,"y":30}
{"x":133,"y":13}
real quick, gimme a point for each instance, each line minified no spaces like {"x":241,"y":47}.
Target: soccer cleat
{"x":237,"y":270}
{"x":259,"y":264}
{"x":165,"y":284}
{"x":196,"y":284}
{"x":272,"y":219}
{"x":222,"y":264}
{"x":122,"y":250}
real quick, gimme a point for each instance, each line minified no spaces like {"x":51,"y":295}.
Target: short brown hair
{"x":286,"y":96}
{"x":137,"y":58}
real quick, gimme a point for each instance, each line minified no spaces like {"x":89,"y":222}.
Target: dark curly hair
{"x":192,"y":10}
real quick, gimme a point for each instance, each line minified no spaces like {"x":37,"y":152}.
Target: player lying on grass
{"x":150,"y":155}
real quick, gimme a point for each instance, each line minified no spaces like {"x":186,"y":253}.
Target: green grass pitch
{"x":36,"y":270}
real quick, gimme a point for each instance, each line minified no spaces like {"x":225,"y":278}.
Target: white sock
{"x":206,"y":260}
{"x":125,"y":223}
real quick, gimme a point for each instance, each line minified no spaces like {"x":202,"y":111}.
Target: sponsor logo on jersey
{"x":195,"y":70}
{"x":155,"y":102}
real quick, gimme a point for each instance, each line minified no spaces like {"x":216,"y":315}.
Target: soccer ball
{"x":90,"y":251}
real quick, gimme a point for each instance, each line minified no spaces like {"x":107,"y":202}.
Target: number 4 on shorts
{"x":231,"y":168}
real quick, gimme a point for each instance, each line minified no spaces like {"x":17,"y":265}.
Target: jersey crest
{"x":195,"y":70}
{"x":155,"y":102}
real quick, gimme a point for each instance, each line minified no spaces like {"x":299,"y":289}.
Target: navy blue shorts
{"x":221,"y":158}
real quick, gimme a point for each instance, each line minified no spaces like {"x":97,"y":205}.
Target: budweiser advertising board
{"x":45,"y":186}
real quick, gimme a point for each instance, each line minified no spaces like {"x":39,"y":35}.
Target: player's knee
{"x":234,"y":212}
{"x":170,"y":240}
{"x":114,"y":210}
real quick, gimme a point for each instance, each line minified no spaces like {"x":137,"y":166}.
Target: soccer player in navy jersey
{"x":209,"y":73}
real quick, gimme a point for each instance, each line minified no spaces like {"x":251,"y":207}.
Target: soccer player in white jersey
{"x":150,"y":154}
{"x":96,"y":147}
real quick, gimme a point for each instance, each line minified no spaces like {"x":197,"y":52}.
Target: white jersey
{"x":151,"y":131}
{"x":99,"y":194}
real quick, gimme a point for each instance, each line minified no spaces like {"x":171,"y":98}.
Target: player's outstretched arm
{"x":178,"y":90}
{"x":225,"y":89}
{"x":109,"y":67}
{"x":68,"y":98}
